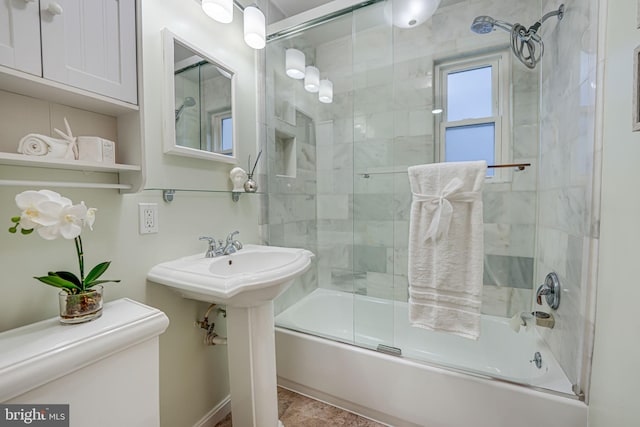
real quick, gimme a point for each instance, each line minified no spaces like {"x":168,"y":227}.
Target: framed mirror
{"x":198,"y":103}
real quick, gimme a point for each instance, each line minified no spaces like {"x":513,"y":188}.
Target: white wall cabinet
{"x":89,"y":45}
{"x":20,"y":35}
{"x":80,"y":54}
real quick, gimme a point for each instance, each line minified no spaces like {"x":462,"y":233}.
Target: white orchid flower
{"x":91,"y":217}
{"x":72,"y":220}
{"x":53,"y":216}
{"x":55,"y":197}
{"x":54,"y":210}
{"x":69,"y":219}
{"x":33,"y":216}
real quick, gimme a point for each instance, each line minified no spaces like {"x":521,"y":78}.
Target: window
{"x":474,"y":123}
{"x":221,"y":132}
{"x":226,"y":135}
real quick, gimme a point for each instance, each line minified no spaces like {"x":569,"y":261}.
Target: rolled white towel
{"x":35,"y":144}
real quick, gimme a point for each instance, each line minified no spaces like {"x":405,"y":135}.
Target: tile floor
{"x":296,"y":410}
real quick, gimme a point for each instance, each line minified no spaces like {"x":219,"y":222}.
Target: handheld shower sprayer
{"x":188,"y":102}
{"x":526,"y":44}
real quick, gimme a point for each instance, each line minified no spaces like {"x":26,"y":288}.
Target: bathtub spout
{"x":526,"y":319}
{"x":545,"y":320}
{"x":521,"y":319}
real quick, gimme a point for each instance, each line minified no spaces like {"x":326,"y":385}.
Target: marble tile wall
{"x":289,"y":214}
{"x":568,"y":225}
{"x":380,"y":123}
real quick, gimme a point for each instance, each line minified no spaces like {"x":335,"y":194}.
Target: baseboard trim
{"x":215,"y":415}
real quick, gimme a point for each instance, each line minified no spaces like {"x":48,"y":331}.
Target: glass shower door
{"x":373,"y":177}
{"x":310,"y":176}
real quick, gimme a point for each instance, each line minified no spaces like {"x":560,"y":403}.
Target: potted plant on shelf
{"x":54,"y":216}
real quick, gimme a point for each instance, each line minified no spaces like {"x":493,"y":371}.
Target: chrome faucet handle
{"x":211,"y":240}
{"x":230,"y":236}
{"x":542,"y":290}
{"x":211,"y":250}
{"x":551,"y":290}
{"x":235,"y":243}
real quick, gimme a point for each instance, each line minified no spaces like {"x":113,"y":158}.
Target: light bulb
{"x":220,"y":10}
{"x":410,"y":13}
{"x":254,"y":27}
{"x":294,"y":62}
{"x":326,"y":91}
{"x":312,"y":79}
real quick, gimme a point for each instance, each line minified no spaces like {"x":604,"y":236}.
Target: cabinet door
{"x":20,"y":35}
{"x":91,"y":45}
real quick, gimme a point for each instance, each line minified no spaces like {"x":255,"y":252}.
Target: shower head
{"x":482,"y":24}
{"x":526,"y":44}
{"x":486,"y":24}
{"x":188,"y":102}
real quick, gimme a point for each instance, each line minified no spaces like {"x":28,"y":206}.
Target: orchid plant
{"x":54,"y":216}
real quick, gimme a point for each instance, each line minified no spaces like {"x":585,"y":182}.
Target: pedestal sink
{"x":247,"y":283}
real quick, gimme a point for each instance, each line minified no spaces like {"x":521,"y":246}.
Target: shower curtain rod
{"x":297,"y":28}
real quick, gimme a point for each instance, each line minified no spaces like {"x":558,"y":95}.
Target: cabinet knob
{"x":54,"y":8}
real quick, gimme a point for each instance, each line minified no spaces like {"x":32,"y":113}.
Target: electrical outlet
{"x":148,"y":218}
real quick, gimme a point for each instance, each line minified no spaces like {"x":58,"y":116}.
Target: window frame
{"x":215,"y":122}
{"x":500,"y":62}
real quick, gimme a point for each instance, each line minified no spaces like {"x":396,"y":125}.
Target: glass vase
{"x":82,"y":307}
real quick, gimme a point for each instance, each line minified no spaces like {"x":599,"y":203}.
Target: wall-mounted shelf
{"x":169,"y":194}
{"x":36,"y":87}
{"x":15,"y":159}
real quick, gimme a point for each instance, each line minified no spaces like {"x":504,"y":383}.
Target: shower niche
{"x":294,"y":150}
{"x":285,"y":151}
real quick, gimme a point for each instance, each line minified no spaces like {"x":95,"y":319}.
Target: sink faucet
{"x":221,"y":248}
{"x":232,"y":245}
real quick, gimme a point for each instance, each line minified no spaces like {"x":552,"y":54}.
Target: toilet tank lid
{"x":36,"y":354}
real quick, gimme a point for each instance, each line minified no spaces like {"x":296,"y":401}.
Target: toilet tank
{"x":106,"y":370}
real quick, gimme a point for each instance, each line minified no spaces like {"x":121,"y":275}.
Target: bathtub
{"x":439,"y":380}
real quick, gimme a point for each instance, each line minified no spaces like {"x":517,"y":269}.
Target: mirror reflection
{"x":201,"y":98}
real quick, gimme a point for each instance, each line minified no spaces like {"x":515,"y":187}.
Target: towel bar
{"x":518,"y":166}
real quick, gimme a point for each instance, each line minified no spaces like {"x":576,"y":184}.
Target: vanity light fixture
{"x":326,"y":91}
{"x":255,"y":30}
{"x":254,"y":27}
{"x":312,"y":79}
{"x":219,"y":10}
{"x":294,"y":63}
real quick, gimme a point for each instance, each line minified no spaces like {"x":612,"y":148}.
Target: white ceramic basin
{"x":250,"y":277}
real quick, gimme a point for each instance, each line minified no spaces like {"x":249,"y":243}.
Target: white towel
{"x":446,"y":247}
{"x":35,"y":144}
